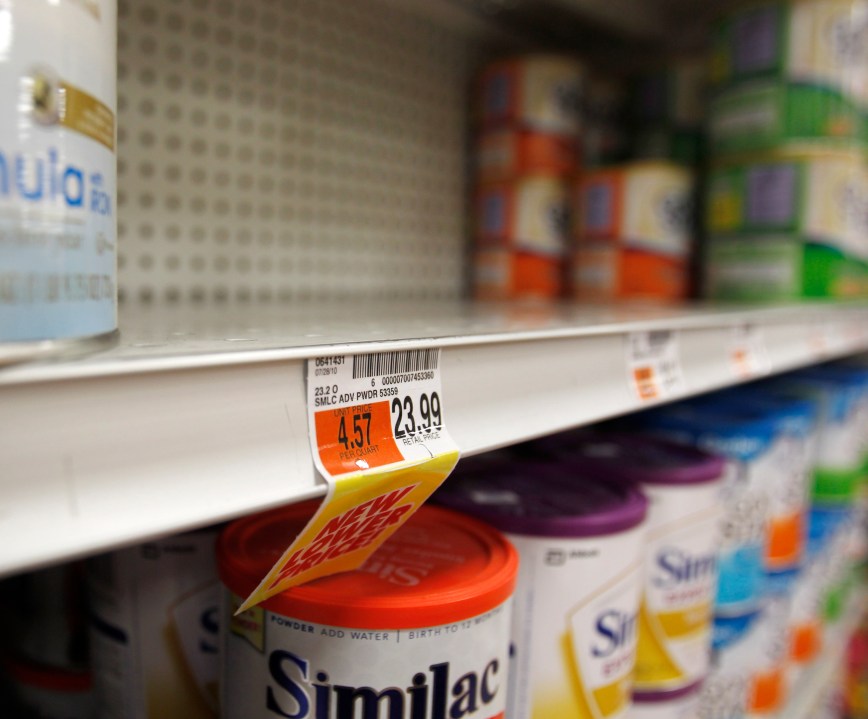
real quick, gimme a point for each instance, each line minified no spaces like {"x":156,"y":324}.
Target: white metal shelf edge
{"x":97,"y":462}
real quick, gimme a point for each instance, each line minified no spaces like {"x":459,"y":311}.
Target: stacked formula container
{"x":792,"y":531}
{"x":633,"y":230}
{"x":528,"y":113}
{"x":788,"y":190}
{"x":44,"y":663}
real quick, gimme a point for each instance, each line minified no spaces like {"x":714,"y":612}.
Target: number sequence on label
{"x":404,"y":415}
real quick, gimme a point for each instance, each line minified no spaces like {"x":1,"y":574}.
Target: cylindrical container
{"x":49,"y":693}
{"x":154,"y":629}
{"x":537,"y":92}
{"x":746,"y":443}
{"x":790,"y":467}
{"x":784,"y":226}
{"x":633,"y":230}
{"x":506,"y":154}
{"x":420,"y":630}
{"x":502,"y":274}
{"x":838,"y":466}
{"x":58,"y":77}
{"x":683,"y":487}
{"x":789,"y":72}
{"x":678,"y":704}
{"x":50,"y":618}
{"x":580,"y":540}
{"x":747,"y":676}
{"x":781,"y":597}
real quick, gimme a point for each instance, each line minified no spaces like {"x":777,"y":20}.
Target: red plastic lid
{"x":440,"y":567}
{"x":58,"y":680}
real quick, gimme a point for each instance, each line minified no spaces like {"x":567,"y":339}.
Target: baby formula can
{"x":420,"y":630}
{"x":539,"y":92}
{"x":746,"y":443}
{"x":154,"y":630}
{"x":792,"y":453}
{"x":748,"y":663}
{"x":48,"y":692}
{"x":580,"y":580}
{"x":683,"y":487}
{"x":57,"y":176}
{"x":676,"y":704}
{"x":505,"y":154}
{"x":838,"y":465}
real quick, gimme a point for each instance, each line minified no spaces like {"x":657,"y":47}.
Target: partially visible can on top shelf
{"x":580,"y":581}
{"x":154,"y":629}
{"x":58,"y":241}
{"x":420,"y":630}
{"x":536,"y":92}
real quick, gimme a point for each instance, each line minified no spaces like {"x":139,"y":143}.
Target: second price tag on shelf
{"x":654,"y":365}
{"x":378,"y":436}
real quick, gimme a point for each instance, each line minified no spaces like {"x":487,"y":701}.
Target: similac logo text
{"x":615,"y":630}
{"x":676,"y":567}
{"x":48,"y":179}
{"x":297,"y":691}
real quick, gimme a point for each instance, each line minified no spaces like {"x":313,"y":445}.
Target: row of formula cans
{"x":607,"y":572}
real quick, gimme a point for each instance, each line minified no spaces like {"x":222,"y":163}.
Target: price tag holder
{"x":378,"y":436}
{"x":747,"y":352}
{"x":654,"y":365}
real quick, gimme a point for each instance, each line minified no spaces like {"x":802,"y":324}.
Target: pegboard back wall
{"x":291,"y":150}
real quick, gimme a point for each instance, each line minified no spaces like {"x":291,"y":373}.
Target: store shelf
{"x":199,"y":414}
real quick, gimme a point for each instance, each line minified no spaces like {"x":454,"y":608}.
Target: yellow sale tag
{"x":379,"y":438}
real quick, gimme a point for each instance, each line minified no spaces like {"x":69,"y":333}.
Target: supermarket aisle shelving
{"x":200,"y":414}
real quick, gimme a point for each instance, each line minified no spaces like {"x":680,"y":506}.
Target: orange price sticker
{"x":654,"y":365}
{"x":379,"y":439}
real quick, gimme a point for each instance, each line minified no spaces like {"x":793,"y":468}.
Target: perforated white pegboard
{"x":291,"y":150}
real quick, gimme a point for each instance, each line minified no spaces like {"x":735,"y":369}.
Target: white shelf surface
{"x":199,"y":415}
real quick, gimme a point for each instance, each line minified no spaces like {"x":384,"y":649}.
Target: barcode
{"x":385,"y":363}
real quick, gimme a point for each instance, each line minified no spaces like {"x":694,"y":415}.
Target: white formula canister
{"x":580,"y":540}
{"x":420,"y":631}
{"x":58,"y":76}
{"x":683,"y":486}
{"x":154,"y":629}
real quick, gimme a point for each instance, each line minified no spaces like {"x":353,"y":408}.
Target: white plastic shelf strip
{"x":293,"y":150}
{"x":200,"y":414}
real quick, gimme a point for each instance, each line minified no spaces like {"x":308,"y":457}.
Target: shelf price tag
{"x":378,"y":436}
{"x":747,"y":352}
{"x":654,"y":365}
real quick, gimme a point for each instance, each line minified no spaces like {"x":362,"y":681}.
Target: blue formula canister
{"x":747,"y":443}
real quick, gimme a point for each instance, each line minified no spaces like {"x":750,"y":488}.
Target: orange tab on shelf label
{"x":747,"y":352}
{"x":378,"y":437}
{"x":654,"y":365}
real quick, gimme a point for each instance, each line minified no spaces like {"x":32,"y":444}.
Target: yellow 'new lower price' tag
{"x":378,"y":436}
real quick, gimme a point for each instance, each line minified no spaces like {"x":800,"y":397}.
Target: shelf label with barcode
{"x":378,"y":436}
{"x":747,"y":352}
{"x":654,"y":365}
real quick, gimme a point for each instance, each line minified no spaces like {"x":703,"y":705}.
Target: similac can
{"x":746,"y":442}
{"x":505,"y":154}
{"x":421,"y":630}
{"x":500,"y":274}
{"x":580,"y":581}
{"x":677,"y":704}
{"x":839,"y":457}
{"x":748,"y":665}
{"x":683,"y":487}
{"x":47,"y":692}
{"x":58,"y":77}
{"x":791,"y":465}
{"x":538,"y":92}
{"x":154,"y":629}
